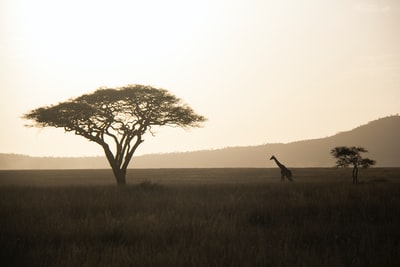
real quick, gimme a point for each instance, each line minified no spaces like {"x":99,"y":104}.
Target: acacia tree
{"x":117,"y":119}
{"x":347,"y":156}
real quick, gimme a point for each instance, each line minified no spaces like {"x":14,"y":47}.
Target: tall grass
{"x":203,"y":224}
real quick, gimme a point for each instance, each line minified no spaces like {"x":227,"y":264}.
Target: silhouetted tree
{"x":119,"y":116}
{"x":347,"y":156}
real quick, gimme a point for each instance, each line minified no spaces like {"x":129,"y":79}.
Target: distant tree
{"x":347,"y":156}
{"x":119,"y":116}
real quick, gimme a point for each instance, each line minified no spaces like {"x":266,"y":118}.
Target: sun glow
{"x":91,"y":35}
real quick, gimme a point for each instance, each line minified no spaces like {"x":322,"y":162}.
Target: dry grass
{"x":200,"y":217}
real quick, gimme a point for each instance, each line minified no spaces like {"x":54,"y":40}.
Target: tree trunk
{"x":119,"y":173}
{"x":355,"y":175}
{"x":120,"y":176}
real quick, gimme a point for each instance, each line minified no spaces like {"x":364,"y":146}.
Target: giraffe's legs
{"x":282,"y":178}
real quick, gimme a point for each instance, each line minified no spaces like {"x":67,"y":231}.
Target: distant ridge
{"x":16,"y":161}
{"x":380,"y":137}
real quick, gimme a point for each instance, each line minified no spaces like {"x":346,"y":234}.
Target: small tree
{"x":118,"y":116}
{"x":347,"y":156}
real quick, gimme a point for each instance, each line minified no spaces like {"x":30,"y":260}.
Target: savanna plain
{"x":200,"y":217}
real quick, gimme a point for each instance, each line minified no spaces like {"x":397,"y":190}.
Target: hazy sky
{"x":261,"y":71}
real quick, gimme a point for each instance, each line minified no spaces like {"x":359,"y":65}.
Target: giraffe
{"x":285,"y":172}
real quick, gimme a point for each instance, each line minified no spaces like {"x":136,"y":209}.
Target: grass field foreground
{"x":233,"y":217}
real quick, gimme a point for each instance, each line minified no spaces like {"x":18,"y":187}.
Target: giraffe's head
{"x":273,"y":157}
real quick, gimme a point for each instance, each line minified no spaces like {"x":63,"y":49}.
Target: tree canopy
{"x":119,"y":116}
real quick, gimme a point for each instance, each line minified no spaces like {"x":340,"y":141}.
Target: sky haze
{"x":260,"y":71}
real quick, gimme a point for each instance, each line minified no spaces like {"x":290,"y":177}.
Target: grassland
{"x":200,"y":217}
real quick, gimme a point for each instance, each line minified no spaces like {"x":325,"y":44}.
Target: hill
{"x":379,"y":137}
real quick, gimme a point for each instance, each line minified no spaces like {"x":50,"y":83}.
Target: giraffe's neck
{"x":278,"y":163}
